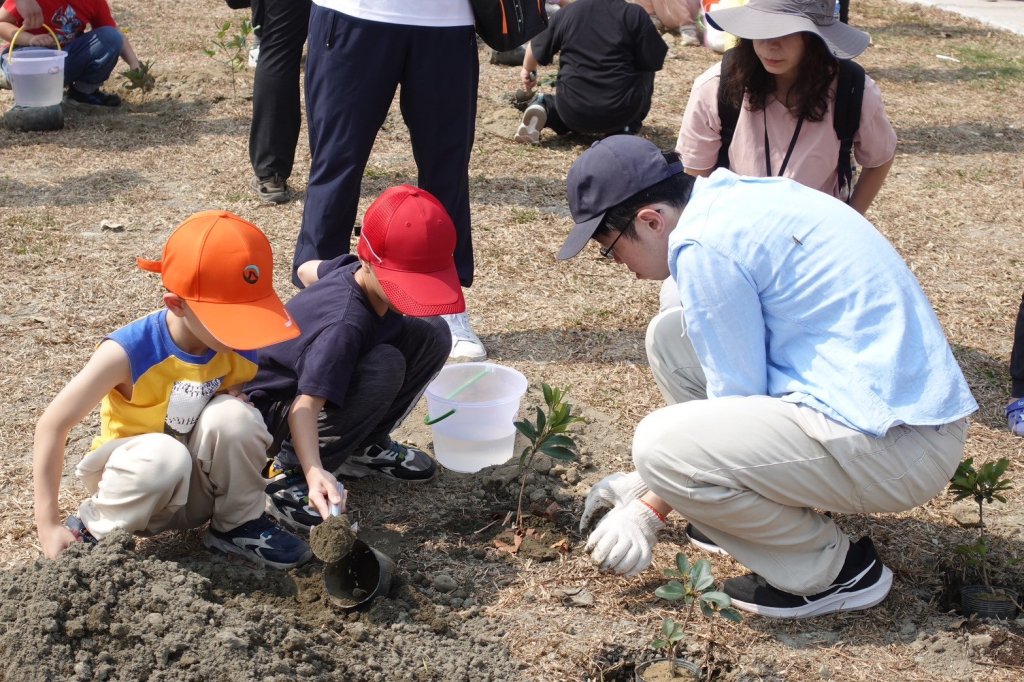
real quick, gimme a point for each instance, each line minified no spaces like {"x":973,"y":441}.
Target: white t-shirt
{"x":814,"y":158}
{"x":406,"y":12}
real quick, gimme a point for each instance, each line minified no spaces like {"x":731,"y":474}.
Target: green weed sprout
{"x":547,"y":436}
{"x":691,"y":584}
{"x":141,"y":79}
{"x":231,"y":49}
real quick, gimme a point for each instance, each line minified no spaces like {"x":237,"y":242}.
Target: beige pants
{"x":151,"y":483}
{"x":750,"y":472}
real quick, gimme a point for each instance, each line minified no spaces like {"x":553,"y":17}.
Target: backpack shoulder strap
{"x":846,"y":118}
{"x":727,"y":113}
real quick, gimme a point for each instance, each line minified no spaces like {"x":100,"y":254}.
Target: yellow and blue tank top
{"x":169,"y":386}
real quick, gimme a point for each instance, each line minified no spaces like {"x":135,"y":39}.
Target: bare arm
{"x":528,"y":74}
{"x":303,"y":421}
{"x":308,"y":272}
{"x":128,"y":54}
{"x":30,"y":12}
{"x":868,"y":184}
{"x":107,"y":368}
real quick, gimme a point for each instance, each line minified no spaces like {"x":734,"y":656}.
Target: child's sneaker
{"x":79,"y":530}
{"x":288,"y":502}
{"x":262,"y":542}
{"x":534,"y":119}
{"x":397,"y":461}
{"x":1015,"y":417}
{"x":466,"y":345}
{"x":96,"y":98}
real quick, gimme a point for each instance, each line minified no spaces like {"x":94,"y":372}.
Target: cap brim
{"x":845,"y":42}
{"x":247,"y":326}
{"x":579,"y":236}
{"x":422,"y":294}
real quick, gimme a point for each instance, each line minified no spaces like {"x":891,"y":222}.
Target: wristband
{"x":661,"y":517}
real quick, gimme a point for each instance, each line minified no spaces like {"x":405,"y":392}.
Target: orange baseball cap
{"x":409,"y":239}
{"x":224,"y":267}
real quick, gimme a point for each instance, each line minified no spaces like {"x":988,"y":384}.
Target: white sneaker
{"x":534,"y":119}
{"x":254,"y":56}
{"x":466,"y":345}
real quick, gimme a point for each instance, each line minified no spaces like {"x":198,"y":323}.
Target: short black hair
{"x":674,"y":191}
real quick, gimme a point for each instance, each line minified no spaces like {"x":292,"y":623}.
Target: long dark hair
{"x":810,"y":92}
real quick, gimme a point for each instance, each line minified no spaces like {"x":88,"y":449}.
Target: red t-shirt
{"x":68,"y":18}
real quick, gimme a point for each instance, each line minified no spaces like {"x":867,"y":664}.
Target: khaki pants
{"x":151,"y":483}
{"x":750,"y":472}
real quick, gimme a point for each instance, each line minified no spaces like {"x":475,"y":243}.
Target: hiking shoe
{"x":272,"y":190}
{"x":466,"y":345}
{"x":262,"y":542}
{"x":397,"y":461}
{"x":79,"y":530}
{"x":96,"y":98}
{"x":534,"y":119}
{"x":288,"y":502}
{"x":863,"y":582}
{"x":698,"y":539}
{"x":1015,"y":417}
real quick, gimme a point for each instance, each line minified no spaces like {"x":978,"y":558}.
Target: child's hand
{"x":42,"y":40}
{"x":55,"y":539}
{"x":529,"y":78}
{"x":323,"y":490}
{"x":31,"y":13}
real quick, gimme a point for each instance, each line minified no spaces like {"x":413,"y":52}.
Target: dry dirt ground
{"x":462,"y":609}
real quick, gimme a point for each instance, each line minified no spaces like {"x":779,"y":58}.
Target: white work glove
{"x":622,"y":542}
{"x":611,"y":491}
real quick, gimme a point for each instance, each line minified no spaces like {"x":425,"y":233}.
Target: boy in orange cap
{"x":179,"y":445}
{"x":371,"y":341}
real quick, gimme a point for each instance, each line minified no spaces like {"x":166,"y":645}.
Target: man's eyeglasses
{"x":609,"y":251}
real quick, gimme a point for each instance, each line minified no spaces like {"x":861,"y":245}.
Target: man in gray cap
{"x":812,"y":374}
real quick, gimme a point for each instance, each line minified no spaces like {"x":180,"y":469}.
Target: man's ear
{"x":175,"y":304}
{"x":652,"y":218}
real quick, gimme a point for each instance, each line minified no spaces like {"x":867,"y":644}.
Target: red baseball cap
{"x":409,"y":239}
{"x":224,"y":267}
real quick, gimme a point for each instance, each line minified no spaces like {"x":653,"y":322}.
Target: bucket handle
{"x":475,"y":378}
{"x":14,"y":41}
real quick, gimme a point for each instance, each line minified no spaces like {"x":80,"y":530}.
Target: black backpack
{"x":507,"y":24}
{"x":845,"y":119}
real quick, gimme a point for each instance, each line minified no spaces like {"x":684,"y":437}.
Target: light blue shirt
{"x":787,"y":292}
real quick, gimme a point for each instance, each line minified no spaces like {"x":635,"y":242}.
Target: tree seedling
{"x":984,"y":484}
{"x":141,"y":79}
{"x":231,"y":49}
{"x":547,"y":436}
{"x":692,"y":584}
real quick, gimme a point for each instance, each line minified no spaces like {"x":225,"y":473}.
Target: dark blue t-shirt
{"x":339,"y":325}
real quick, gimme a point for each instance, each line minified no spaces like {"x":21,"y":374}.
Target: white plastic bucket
{"x":37,"y":76}
{"x":471,"y":407}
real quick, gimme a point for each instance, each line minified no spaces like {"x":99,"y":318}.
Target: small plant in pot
{"x":984,"y":484}
{"x":692,"y":584}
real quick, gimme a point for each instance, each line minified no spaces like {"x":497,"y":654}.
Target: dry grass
{"x":952,"y":206}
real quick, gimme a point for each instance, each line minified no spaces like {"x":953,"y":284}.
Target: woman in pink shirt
{"x":782,"y":79}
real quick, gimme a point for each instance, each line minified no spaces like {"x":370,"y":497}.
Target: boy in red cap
{"x":179,"y":445}
{"x":371,"y":341}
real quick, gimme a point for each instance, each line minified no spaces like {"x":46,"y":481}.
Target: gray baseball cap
{"x":764,"y":19}
{"x":611,"y":171}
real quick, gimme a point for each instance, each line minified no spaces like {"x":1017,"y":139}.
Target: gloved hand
{"x":611,"y":491}
{"x":622,"y":542}
{"x":1015,"y":417}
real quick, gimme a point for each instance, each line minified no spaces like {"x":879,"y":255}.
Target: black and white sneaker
{"x":698,"y":539}
{"x":396,"y":461}
{"x":78,"y":529}
{"x":288,"y":502}
{"x":862,"y":583}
